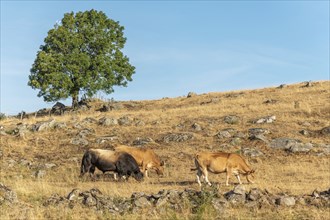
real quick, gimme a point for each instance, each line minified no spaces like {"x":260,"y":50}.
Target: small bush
{"x":2,"y":116}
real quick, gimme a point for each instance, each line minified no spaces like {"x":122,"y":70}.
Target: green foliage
{"x":81,"y":54}
{"x":2,"y":116}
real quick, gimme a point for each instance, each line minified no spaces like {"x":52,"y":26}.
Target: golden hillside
{"x":36,"y":163}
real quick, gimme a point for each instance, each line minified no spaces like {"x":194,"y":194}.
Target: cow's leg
{"x":238,"y":178}
{"x":228,"y":173}
{"x":206,"y":176}
{"x":115,"y":176}
{"x":199,"y":175}
{"x":144,"y":169}
{"x":91,"y":171}
{"x":236,"y":173}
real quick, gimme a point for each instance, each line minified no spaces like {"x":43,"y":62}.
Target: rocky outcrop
{"x":179,"y":200}
{"x":7,"y":195}
{"x":178,"y":137}
{"x":291,"y":145}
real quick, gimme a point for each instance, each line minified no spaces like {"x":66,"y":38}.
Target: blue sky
{"x":178,"y":46}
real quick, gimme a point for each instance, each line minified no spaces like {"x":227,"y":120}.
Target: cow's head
{"x":138,"y":175}
{"x":250,"y":173}
{"x":160,"y":169}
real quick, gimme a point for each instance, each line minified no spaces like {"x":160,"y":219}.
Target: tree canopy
{"x":81,"y":55}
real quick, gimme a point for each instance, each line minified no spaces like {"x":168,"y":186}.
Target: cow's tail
{"x":85,"y":163}
{"x":196,"y":162}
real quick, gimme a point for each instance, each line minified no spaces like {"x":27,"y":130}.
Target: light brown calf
{"x":220,"y":163}
{"x":146,"y":158}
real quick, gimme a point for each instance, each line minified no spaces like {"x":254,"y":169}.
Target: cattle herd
{"x":127,"y":161}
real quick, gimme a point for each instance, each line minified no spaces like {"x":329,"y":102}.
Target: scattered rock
{"x":308,"y":84}
{"x":304,"y":132}
{"x":286,"y":201}
{"x":270,"y":101}
{"x":282,"y":86}
{"x":101,"y":140}
{"x":139,"y":123}
{"x":50,"y":165}
{"x":7,"y":195}
{"x":178,"y":137}
{"x":21,"y":130}
{"x":177,"y":200}
{"x":126,"y":121}
{"x":291,"y":145}
{"x":39,"y":174}
{"x":325,"y":131}
{"x":44,"y":125}
{"x":142,"y":202}
{"x":237,"y":195}
{"x":235,"y":141}
{"x":196,"y":127}
{"x":89,"y":120}
{"x":79,"y":141}
{"x":267,"y":119}
{"x":89,"y":201}
{"x":105,"y":108}
{"x":260,"y":137}
{"x":325,"y":148}
{"x":250,"y":152}
{"x":254,"y":194}
{"x":306,"y":124}
{"x":74,"y":194}
{"x":191,"y":94}
{"x":257,"y":131}
{"x":283,"y":143}
{"x":58,"y":108}
{"x":231,"y":119}
{"x":85,"y":132}
{"x":60,"y":125}
{"x":105,"y":121}
{"x":143,"y":141}
{"x":300,"y":147}
{"x":223,"y":134}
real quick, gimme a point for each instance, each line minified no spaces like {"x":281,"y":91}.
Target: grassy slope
{"x":277,"y":171}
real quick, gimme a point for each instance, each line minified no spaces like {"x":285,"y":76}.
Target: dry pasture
{"x":296,"y":108}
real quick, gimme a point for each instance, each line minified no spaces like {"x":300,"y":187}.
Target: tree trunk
{"x":75,"y":101}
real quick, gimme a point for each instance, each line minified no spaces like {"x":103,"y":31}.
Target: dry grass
{"x":277,"y":171}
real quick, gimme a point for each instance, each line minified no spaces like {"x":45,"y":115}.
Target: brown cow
{"x":219,"y":163}
{"x":146,"y":158}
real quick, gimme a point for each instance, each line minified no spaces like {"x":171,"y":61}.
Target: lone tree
{"x":81,"y":54}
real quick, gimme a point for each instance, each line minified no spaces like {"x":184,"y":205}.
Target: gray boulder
{"x":300,"y":147}
{"x":251,"y":152}
{"x":257,"y":131}
{"x":178,"y":137}
{"x":7,"y":195}
{"x":325,"y":131}
{"x":237,"y":195}
{"x":191,"y":94}
{"x":283,"y":143}
{"x":231,"y":119}
{"x":105,"y":121}
{"x":44,"y":125}
{"x":267,"y":119}
{"x":125,"y":121}
{"x":79,"y":141}
{"x":196,"y":127}
{"x":143,"y":141}
{"x":286,"y":201}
